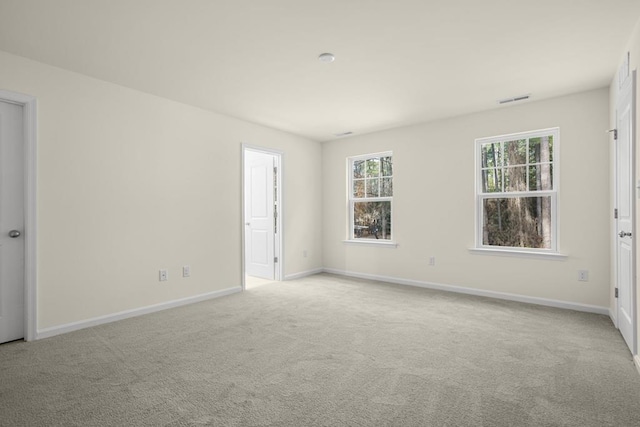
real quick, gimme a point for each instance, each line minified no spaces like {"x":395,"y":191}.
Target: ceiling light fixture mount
{"x":326,"y":57}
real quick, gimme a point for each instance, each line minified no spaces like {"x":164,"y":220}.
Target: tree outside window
{"x":516,"y":191}
{"x":371,"y":196}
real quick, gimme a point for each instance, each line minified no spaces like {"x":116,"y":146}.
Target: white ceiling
{"x":397,"y":62}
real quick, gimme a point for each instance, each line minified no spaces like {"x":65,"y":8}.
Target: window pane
{"x":358,"y":188}
{"x":541,"y":149}
{"x":491,"y":155}
{"x":519,"y":222}
{"x":541,"y":177}
{"x":492,"y":180}
{"x":515,"y":179}
{"x":358,"y":169}
{"x":372,"y":220}
{"x":387,"y":166}
{"x":387,"y":187}
{"x":373,"y":168}
{"x":373,"y":187}
{"x":515,"y":152}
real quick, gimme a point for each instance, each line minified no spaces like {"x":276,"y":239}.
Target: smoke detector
{"x":326,"y":57}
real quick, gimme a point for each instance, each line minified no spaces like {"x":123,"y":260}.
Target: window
{"x":371,"y":197}
{"x":517,"y":191}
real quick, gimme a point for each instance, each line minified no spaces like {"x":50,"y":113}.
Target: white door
{"x":11,"y":223}
{"x":625,"y":251}
{"x":259,"y":214}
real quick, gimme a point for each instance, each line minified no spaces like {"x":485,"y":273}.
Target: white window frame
{"x":352,"y":200}
{"x":553,"y":251}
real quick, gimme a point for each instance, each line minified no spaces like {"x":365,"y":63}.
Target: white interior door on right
{"x":11,"y":222}
{"x":624,"y":196}
{"x":259,"y":214}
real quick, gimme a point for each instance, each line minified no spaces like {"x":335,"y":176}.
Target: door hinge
{"x":275,"y":259}
{"x":615,"y":213}
{"x":616,"y":292}
{"x":275,"y":219}
{"x":615,"y":134}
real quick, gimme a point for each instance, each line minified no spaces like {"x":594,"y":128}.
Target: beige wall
{"x":129,"y":183}
{"x":434,"y":203}
{"x":633,"y":47}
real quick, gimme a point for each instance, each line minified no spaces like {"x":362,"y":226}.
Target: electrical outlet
{"x":583,"y":275}
{"x":304,"y":253}
{"x":164,"y":275}
{"x":186,"y":271}
{"x":432,"y":260}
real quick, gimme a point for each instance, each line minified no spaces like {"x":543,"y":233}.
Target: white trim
{"x":636,"y":361}
{"x":262,"y":149}
{"x":302,"y":274}
{"x":529,"y":134}
{"x":634,"y":230}
{"x":279,"y":159}
{"x":30,"y":123}
{"x":74,"y":326}
{"x":243,"y":284}
{"x":612,"y":316}
{"x":623,"y":71}
{"x":519,"y":253}
{"x":371,"y":155}
{"x":372,"y":242}
{"x":477,"y":292}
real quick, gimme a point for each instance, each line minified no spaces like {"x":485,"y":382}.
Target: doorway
{"x":17,"y":217}
{"x":625,"y":233}
{"x":262,"y":218}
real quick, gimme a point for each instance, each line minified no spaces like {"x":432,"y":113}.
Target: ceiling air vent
{"x":343,"y":134}
{"x":517,"y":98}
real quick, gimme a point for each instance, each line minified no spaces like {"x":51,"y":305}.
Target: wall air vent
{"x":515,"y":99}
{"x":342,"y":134}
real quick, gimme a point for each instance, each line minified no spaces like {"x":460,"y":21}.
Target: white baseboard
{"x":100,"y":320}
{"x":474,"y":291}
{"x":302,"y":274}
{"x":636,"y":361}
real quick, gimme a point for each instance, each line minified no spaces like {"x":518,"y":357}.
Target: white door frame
{"x":29,"y":111}
{"x":279,"y":241}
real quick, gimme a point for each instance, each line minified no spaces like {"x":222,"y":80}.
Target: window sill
{"x":556,"y":256}
{"x":367,"y":242}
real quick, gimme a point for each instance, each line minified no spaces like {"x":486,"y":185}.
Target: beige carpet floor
{"x":329,"y":351}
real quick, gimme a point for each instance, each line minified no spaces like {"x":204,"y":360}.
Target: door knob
{"x":14,"y":233}
{"x":247,"y":223}
{"x":624,"y":234}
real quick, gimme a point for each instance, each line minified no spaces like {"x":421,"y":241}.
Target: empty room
{"x":319,"y":213}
